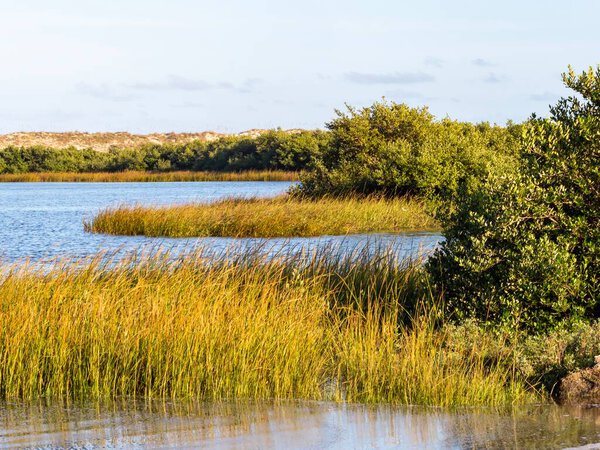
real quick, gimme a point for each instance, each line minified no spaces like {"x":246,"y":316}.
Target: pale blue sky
{"x":230,"y":65}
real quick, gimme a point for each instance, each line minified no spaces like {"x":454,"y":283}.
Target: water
{"x":45,"y":220}
{"x":294,"y":425}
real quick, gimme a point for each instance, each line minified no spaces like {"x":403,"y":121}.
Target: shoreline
{"x":146,"y":176}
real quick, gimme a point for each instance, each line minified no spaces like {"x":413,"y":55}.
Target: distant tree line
{"x":273,"y":150}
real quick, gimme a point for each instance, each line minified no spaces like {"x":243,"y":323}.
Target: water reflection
{"x":289,"y":425}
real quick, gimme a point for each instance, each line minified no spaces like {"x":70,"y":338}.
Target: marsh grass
{"x":360,"y":328}
{"x":141,"y":176}
{"x":284,"y":216}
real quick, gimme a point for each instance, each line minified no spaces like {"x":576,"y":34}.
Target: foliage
{"x":541,"y":359}
{"x":273,"y":150}
{"x":394,"y":149}
{"x":524,"y":250}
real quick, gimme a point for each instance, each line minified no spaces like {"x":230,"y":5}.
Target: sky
{"x":181,"y":65}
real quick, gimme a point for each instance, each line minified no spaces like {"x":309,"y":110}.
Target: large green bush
{"x":524,"y":249}
{"x":394,"y":149}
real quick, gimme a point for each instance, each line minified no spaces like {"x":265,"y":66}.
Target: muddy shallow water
{"x":292,"y":425}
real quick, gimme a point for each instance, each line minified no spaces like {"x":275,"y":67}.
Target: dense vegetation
{"x":273,"y":150}
{"x":519,"y":203}
{"x":318,"y":326}
{"x":393,"y":149}
{"x":279,"y":217}
{"x":524,"y":249}
{"x":517,"y":279}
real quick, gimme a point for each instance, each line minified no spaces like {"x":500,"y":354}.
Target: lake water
{"x":297,"y":425}
{"x":45,"y":220}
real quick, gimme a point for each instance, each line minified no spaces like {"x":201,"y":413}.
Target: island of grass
{"x":284,"y":216}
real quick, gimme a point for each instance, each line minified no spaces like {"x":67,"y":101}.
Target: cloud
{"x":104,"y":92}
{"x":435,"y":62}
{"x":402,"y":94}
{"x":388,"y":78}
{"x":190,"y":104}
{"x":179,"y":83}
{"x":480,"y":62}
{"x":544,"y":97}
{"x":173,"y":83}
{"x":249,"y":85}
{"x":494,"y":78}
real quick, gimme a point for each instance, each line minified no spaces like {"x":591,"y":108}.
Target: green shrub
{"x":398,"y":150}
{"x":524,"y":249}
{"x":540,"y":359}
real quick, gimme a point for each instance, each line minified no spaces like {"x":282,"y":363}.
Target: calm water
{"x":309,"y":425}
{"x":45,"y":220}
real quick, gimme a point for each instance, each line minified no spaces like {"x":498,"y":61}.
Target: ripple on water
{"x":130,"y":424}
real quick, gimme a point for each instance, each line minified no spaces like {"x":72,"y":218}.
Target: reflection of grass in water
{"x":241,"y":327}
{"x":141,"y":176}
{"x":261,"y":424}
{"x":283,"y":216}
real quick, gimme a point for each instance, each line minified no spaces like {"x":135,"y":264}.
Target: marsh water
{"x":297,"y":425}
{"x":45,"y":220}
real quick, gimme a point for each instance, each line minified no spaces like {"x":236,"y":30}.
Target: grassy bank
{"x":279,"y":217}
{"x":141,"y":176}
{"x":323,"y":327}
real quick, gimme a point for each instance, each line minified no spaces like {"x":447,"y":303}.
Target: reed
{"x":283,"y":216}
{"x":317,"y":326}
{"x":141,"y":176}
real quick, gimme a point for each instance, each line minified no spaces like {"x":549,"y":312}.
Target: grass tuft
{"x":283,"y":216}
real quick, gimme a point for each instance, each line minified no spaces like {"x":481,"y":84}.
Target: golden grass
{"x":283,"y":216}
{"x":318,"y":327}
{"x":141,"y":176}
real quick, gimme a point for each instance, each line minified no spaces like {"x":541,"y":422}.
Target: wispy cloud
{"x":480,"y":62}
{"x":249,"y":85}
{"x":435,"y":62}
{"x":104,"y":92}
{"x":174,"y":83}
{"x":388,"y":78}
{"x":190,"y":104}
{"x":400,"y":94}
{"x":544,"y":97}
{"x":494,"y":78}
{"x":179,"y":83}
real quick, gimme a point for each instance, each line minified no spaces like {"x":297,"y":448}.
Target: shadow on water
{"x":156,"y":424}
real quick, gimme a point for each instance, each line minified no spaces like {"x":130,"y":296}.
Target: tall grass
{"x":246,"y":326}
{"x":283,"y":216}
{"x":141,"y":176}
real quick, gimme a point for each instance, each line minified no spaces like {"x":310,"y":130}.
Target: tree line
{"x":273,"y":150}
